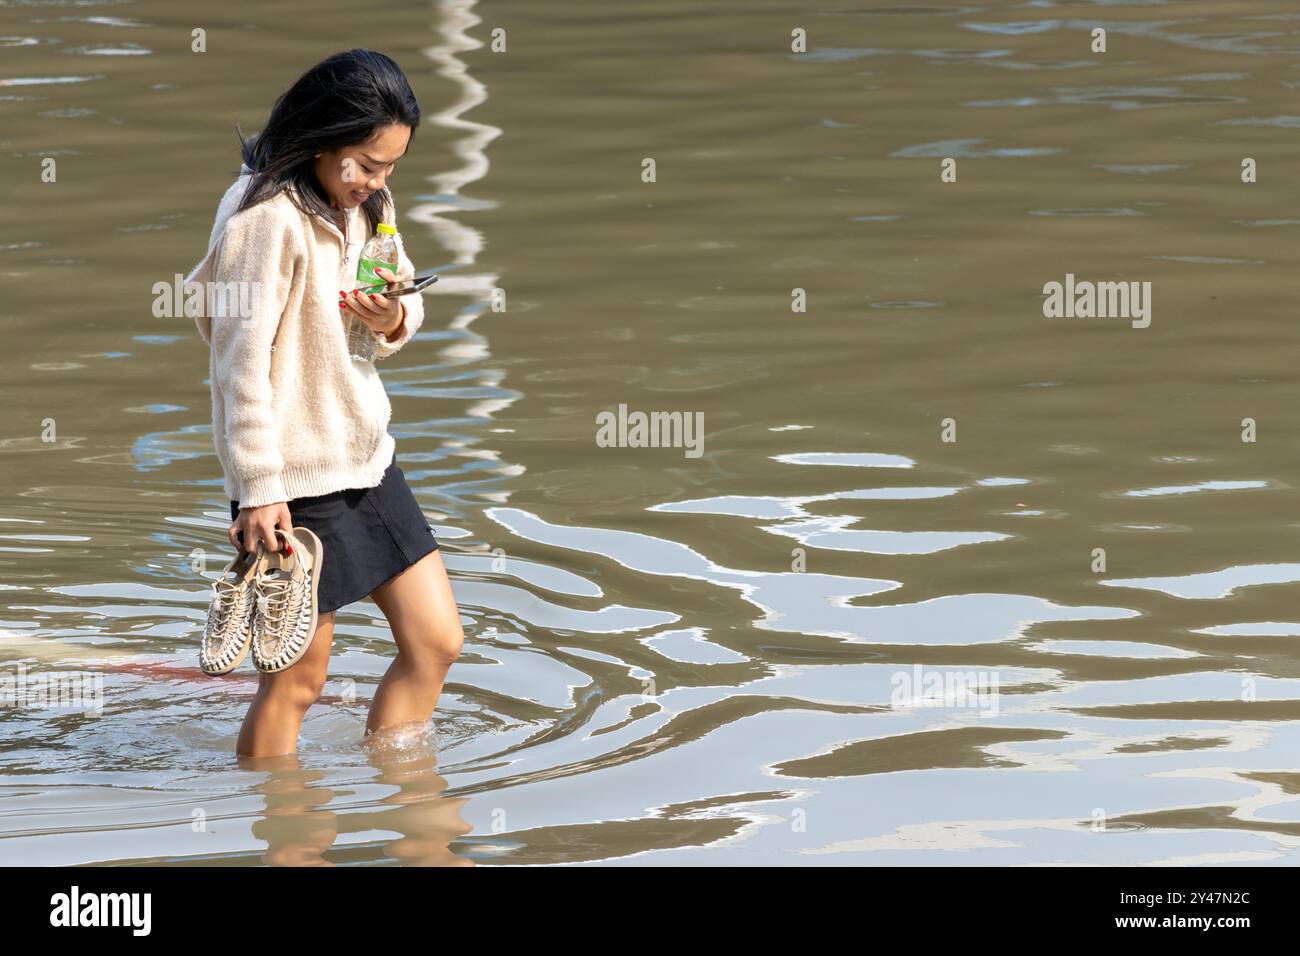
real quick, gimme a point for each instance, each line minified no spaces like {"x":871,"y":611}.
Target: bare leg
{"x":271,"y":725}
{"x":421,"y":610}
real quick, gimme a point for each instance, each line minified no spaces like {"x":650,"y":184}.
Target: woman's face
{"x":350,"y":174}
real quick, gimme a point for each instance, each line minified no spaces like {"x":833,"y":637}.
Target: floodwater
{"x":949,"y":582}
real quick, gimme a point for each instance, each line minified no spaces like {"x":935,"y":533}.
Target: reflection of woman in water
{"x":300,"y":426}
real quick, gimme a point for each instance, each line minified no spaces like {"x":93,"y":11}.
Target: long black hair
{"x":339,"y":102}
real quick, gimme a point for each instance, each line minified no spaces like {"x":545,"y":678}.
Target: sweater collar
{"x":351,"y":213}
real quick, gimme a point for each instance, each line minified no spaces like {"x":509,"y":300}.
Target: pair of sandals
{"x":264,"y":602}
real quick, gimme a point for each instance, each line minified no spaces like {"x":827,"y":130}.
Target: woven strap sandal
{"x":227,"y":633}
{"x":285,"y":589}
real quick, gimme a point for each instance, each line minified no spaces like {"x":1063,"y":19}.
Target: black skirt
{"x":369,"y":535}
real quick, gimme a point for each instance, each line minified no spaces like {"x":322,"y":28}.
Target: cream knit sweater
{"x":293,"y":414}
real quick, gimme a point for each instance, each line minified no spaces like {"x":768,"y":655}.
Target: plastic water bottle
{"x":379,"y":250}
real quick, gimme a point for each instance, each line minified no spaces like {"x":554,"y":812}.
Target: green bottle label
{"x":366,"y":278}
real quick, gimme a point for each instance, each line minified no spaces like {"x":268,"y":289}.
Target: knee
{"x":455,"y":641}
{"x":447,"y":642}
{"x":300,"y":686}
{"x":441,"y":644}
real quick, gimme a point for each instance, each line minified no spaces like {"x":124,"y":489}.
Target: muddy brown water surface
{"x":833,"y":637}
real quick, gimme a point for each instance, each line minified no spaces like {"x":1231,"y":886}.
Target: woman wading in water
{"x":300,"y":416}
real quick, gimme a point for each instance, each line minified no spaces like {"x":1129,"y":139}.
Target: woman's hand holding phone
{"x":383,"y":314}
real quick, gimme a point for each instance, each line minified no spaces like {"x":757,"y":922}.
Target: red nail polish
{"x":343,"y":305}
{"x":373,"y":297}
{"x":288,"y":550}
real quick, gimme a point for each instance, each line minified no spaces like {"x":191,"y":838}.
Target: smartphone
{"x":405,"y":286}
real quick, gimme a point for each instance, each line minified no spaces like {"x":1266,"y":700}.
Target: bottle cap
{"x":385,"y":227}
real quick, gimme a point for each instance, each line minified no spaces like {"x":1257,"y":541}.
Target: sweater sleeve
{"x":258,"y":255}
{"x":414,"y":301}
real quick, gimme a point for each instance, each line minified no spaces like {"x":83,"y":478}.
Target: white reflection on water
{"x":808,"y":603}
{"x":1214,"y":584}
{"x":834,"y":533}
{"x":1199,"y":486}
